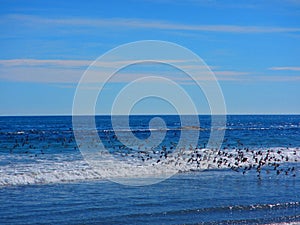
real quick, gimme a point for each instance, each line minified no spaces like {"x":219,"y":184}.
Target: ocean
{"x":252,"y":178}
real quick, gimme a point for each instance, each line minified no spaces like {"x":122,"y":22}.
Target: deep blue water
{"x":45,"y":180}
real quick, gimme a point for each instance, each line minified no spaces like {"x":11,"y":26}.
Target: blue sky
{"x":253,"y":47}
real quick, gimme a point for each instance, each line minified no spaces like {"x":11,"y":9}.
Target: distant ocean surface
{"x":254,"y":178}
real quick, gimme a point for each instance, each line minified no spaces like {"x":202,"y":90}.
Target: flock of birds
{"x":184,"y":158}
{"x":34,"y":141}
{"x":240,"y":159}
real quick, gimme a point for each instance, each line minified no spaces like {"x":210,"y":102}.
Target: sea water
{"x":45,"y":178}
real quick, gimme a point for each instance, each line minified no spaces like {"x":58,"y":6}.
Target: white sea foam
{"x":45,"y":172}
{"x":22,"y":170}
{"x":284,"y":223}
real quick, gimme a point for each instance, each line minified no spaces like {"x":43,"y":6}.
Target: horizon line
{"x":171,"y":114}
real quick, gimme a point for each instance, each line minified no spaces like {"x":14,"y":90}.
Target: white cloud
{"x":230,"y":73}
{"x":285,"y":68}
{"x":149,"y":24}
{"x":279,"y":78}
{"x":40,"y":74}
{"x":70,"y":71}
{"x":68,"y":63}
{"x":47,"y":62}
